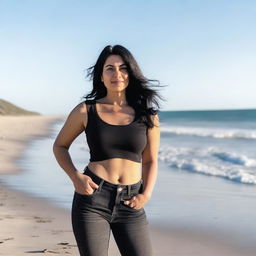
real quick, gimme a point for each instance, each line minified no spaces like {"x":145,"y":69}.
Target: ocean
{"x":215,"y":143}
{"x":207,"y":172}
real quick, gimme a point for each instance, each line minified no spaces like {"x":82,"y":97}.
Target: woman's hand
{"x":137,"y":202}
{"x":83,"y":184}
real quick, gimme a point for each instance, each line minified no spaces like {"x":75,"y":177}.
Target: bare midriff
{"x":117,"y":170}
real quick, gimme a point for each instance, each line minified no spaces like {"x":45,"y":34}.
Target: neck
{"x":116,"y":99}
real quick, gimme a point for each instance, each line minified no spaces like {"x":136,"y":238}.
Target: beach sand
{"x":33,"y":226}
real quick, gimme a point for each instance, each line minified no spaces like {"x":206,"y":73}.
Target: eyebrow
{"x":109,"y":65}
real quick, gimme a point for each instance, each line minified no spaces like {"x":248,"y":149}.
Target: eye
{"x":109,"y":70}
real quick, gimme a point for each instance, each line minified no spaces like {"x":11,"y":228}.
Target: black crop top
{"x":114,"y":141}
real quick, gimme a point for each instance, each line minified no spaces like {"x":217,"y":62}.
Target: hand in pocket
{"x":137,"y":202}
{"x":84,"y":185}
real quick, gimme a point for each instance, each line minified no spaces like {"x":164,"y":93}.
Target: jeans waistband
{"x":98,"y":180}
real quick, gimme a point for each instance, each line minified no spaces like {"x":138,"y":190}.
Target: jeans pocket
{"x":87,"y":195}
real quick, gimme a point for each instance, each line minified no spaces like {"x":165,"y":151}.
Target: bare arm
{"x":150,"y":158}
{"x":149,"y":166}
{"x":74,"y":125}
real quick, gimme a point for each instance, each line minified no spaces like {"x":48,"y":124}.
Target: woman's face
{"x":115,"y":75}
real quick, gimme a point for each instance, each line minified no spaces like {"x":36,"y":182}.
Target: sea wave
{"x":211,"y":161}
{"x":233,"y":158}
{"x":220,"y":133}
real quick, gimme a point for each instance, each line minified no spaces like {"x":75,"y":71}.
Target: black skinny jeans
{"x":93,"y":216}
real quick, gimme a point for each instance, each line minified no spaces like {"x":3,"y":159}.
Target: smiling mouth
{"x":116,"y":82}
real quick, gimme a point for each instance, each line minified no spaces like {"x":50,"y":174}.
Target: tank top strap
{"x":90,"y":105}
{"x":93,"y":107}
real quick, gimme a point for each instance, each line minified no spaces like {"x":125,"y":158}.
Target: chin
{"x":117,"y":88}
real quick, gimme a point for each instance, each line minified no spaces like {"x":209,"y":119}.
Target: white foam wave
{"x":211,"y":161}
{"x":234,"y":158}
{"x":220,"y":133}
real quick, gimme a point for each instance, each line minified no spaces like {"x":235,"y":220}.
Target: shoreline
{"x":14,"y":140}
{"x":31,"y":225}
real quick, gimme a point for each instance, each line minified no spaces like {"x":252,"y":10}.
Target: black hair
{"x":139,"y":94}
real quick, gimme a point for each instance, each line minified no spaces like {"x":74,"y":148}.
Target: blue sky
{"x":204,"y":51}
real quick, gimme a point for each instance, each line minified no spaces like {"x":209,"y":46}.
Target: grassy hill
{"x":7,"y":108}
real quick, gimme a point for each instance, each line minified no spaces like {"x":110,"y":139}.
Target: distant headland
{"x":9,"y":109}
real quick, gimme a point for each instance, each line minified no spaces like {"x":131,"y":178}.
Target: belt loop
{"x":85,"y":169}
{"x":100,"y":185}
{"x":141,"y":186}
{"x":129,"y":190}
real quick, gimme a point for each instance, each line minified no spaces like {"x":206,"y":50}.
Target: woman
{"x":122,"y":131}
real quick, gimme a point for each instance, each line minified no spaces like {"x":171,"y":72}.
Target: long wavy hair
{"x":140,"y":94}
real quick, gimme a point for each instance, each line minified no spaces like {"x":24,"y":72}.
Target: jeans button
{"x":119,"y":189}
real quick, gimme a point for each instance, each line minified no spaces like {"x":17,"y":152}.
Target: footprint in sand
{"x":61,"y":248}
{"x":41,"y":220}
{"x":6,"y":239}
{"x":56,"y":232}
{"x":9,"y":217}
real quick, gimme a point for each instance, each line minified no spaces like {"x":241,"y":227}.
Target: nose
{"x":117,"y":73}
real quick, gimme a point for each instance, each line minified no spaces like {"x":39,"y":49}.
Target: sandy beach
{"x":33,"y":226}
{"x":28,"y":226}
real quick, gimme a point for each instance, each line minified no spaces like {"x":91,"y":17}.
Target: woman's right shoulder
{"x":82,"y":107}
{"x":80,"y":112}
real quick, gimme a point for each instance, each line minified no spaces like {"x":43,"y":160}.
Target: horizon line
{"x":233,"y":109}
